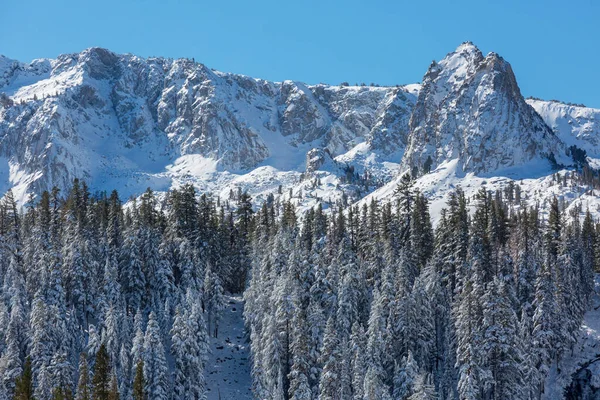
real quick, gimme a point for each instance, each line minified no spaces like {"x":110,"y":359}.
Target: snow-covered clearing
{"x":228,"y":371}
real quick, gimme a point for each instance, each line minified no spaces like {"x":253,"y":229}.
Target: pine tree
{"x":501,"y":345}
{"x":375,"y":386}
{"x":155,"y":363}
{"x":358,"y":346}
{"x":83,"y":383}
{"x":137,"y":347}
{"x":24,"y":383}
{"x":468,"y":319}
{"x":189,"y":348}
{"x":139,"y":383}
{"x":102,"y":375}
{"x":60,"y":393}
{"x":424,"y":389}
{"x":15,"y":336}
{"x":588,"y":262}
{"x":113,"y":394}
{"x":544,"y":320}
{"x":41,"y":347}
{"x":329,"y":383}
{"x":405,"y":374}
{"x":213,"y":299}
{"x":300,"y":368}
{"x":135,"y":282}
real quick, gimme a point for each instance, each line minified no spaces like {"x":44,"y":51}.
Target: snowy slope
{"x":228,"y":371}
{"x":586,"y":350}
{"x":573,"y":124}
{"x":121,"y":121}
{"x":535,"y":180}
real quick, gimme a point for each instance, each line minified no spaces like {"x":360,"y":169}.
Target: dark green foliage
{"x":102,"y":374}
{"x":138,"y":382}
{"x":24,"y":383}
{"x":83,"y":383}
{"x":113,"y":394}
{"x":579,"y":156}
{"x":62,"y":394}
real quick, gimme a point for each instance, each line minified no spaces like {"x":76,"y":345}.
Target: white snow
{"x":535,"y":179}
{"x":574,"y":125}
{"x":586,"y":349}
{"x":228,"y":371}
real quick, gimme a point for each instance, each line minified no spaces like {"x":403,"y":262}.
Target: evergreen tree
{"x":155,"y":363}
{"x":213,"y":299}
{"x":24,"y":383}
{"x":113,"y":394}
{"x":139,"y":383}
{"x":329,"y":383}
{"x":60,"y":393}
{"x":83,"y":383}
{"x":102,"y":375}
{"x":501,"y":345}
{"x":189,"y":348}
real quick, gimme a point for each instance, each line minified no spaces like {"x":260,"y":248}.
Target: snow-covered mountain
{"x":573,"y":124}
{"x":470,"y":107}
{"x":121,"y":121}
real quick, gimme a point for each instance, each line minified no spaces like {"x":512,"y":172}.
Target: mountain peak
{"x":465,"y":53}
{"x":467,"y":46}
{"x":469,"y":107}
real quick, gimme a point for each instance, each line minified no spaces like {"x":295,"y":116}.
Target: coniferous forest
{"x":106,"y":300}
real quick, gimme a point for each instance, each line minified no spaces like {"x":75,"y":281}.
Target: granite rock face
{"x":118,"y":120}
{"x":470,"y":107}
{"x":98,"y":115}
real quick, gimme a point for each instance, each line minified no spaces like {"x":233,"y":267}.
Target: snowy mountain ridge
{"x":128,"y":122}
{"x":119,"y":120}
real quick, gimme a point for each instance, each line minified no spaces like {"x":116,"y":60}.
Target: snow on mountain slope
{"x":573,"y":124}
{"x":535,"y":180}
{"x":470,"y":107}
{"x":123,"y":121}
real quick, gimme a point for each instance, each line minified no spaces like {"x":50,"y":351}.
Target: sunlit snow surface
{"x":536,"y":182}
{"x":133,"y":129}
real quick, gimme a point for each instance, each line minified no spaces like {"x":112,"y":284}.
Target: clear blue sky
{"x":553,"y":46}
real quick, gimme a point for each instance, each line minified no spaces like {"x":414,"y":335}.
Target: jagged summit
{"x":469,"y":108}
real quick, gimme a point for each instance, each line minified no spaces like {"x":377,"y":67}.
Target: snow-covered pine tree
{"x":155,"y":363}
{"x":189,"y":347}
{"x":501,"y":345}
{"x":213,"y":300}
{"x":83,"y":391}
{"x":329,"y":382}
{"x":358,"y":348}
{"x":300,"y":368}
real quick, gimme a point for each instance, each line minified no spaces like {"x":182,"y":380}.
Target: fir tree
{"x":155,"y":363}
{"x":102,"y":375}
{"x":24,"y":383}
{"x":139,"y":383}
{"x":83,"y":383}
